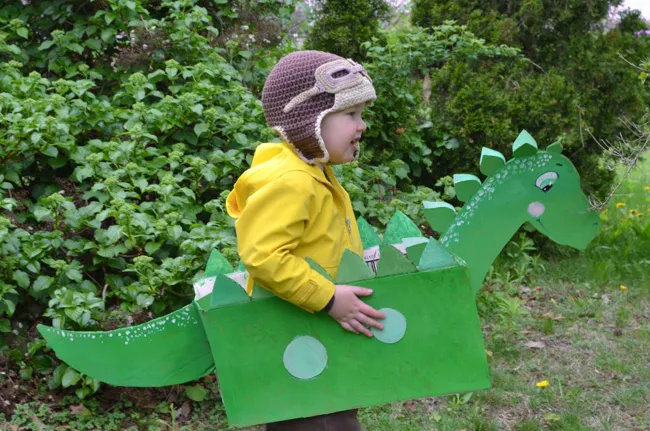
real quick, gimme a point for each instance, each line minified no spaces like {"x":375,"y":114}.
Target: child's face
{"x":341,"y":132}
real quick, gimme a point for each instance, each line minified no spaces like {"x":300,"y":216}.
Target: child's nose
{"x":361,"y":126}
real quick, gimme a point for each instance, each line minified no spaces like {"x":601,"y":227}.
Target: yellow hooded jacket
{"x":286,"y":211}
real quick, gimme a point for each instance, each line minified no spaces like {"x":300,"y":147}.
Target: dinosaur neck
{"x":482,"y":228}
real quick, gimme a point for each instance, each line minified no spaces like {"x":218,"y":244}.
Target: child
{"x":290,"y":206}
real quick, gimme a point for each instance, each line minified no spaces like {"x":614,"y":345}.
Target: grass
{"x":588,"y":313}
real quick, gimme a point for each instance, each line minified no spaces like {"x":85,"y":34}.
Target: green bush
{"x":574,"y":84}
{"x":341,"y":26}
{"x":400,"y":123}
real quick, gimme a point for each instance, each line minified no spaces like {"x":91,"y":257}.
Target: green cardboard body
{"x":442,"y":351}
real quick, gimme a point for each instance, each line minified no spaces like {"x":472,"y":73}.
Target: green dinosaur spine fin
{"x":491,"y":161}
{"x":525,"y":145}
{"x":393,"y":262}
{"x":466,"y":186}
{"x":439,"y":215}
{"x":399,"y":227}
{"x":369,"y":237}
{"x":353,"y":268}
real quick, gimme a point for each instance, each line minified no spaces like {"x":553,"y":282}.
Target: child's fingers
{"x":347,"y":327}
{"x":360,"y":328}
{"x":371,"y":312}
{"x":368,"y":321}
{"x":361,"y":291}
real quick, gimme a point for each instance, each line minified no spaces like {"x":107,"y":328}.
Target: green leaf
{"x":201,"y":128}
{"x":94,"y":44}
{"x":40,"y":213}
{"x":83,"y":172}
{"x":70,"y":377}
{"x":51,"y":151}
{"x":23,"y":32}
{"x":74,"y":275}
{"x":107,"y":34}
{"x":196,"y":393}
{"x":246,"y":54}
{"x":114,"y":233}
{"x":152,"y":247}
{"x":21,"y":278}
{"x":11,"y":306}
{"x":5,"y":325}
{"x":46,"y":45}
{"x":43,"y":282}
{"x":75,"y":47}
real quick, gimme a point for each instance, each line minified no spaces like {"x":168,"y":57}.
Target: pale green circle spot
{"x":394,"y":327}
{"x":305,"y":357}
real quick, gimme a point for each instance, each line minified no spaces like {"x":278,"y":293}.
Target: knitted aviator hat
{"x":304,"y":87}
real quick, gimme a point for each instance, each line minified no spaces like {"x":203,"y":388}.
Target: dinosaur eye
{"x":546,"y":181}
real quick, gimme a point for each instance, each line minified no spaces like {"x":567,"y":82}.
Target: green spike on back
{"x":369,"y":237}
{"x":353,"y":268}
{"x":319,"y":269}
{"x":466,"y":186}
{"x":399,"y":227}
{"x":491,"y":161}
{"x":414,"y":248}
{"x":436,"y":256}
{"x":555,"y":147}
{"x":260,"y":293}
{"x":217,"y":264}
{"x":226,"y":292}
{"x":439,"y":215}
{"x":393,"y":262}
{"x":524,"y":145}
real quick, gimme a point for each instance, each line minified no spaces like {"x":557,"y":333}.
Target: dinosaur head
{"x":555,"y":204}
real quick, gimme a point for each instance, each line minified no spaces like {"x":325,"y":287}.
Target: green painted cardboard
{"x":249,"y":340}
{"x":414,"y":248}
{"x":435,"y":256}
{"x":319,"y":269}
{"x":491,"y":161}
{"x":442,"y":351}
{"x":439,"y":215}
{"x":352,"y":268}
{"x":400,"y":226}
{"x":217,"y":264}
{"x":524,"y":145}
{"x":393,"y":262}
{"x":170,"y":350}
{"x":226,"y":291}
{"x":369,"y":237}
{"x":466,"y":185}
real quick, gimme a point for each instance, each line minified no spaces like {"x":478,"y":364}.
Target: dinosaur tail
{"x":170,"y":350}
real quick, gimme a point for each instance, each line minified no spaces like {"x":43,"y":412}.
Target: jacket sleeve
{"x":268,"y":229}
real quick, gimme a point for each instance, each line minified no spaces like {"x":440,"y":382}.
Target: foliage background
{"x":123,"y":123}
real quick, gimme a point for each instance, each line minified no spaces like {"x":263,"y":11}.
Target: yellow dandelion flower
{"x":623,"y":287}
{"x":639,"y":214}
{"x":542,"y":384}
{"x":646,"y":188}
{"x":633,"y":212}
{"x":604,"y":211}
{"x":620,"y":204}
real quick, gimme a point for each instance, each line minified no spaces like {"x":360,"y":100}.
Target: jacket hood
{"x":270,"y":161}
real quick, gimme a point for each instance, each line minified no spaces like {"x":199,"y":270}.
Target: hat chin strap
{"x":321,"y":144}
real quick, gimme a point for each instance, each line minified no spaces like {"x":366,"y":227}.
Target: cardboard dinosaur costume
{"x":276,"y":362}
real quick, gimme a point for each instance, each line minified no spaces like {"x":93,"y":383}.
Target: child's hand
{"x":352,"y":313}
